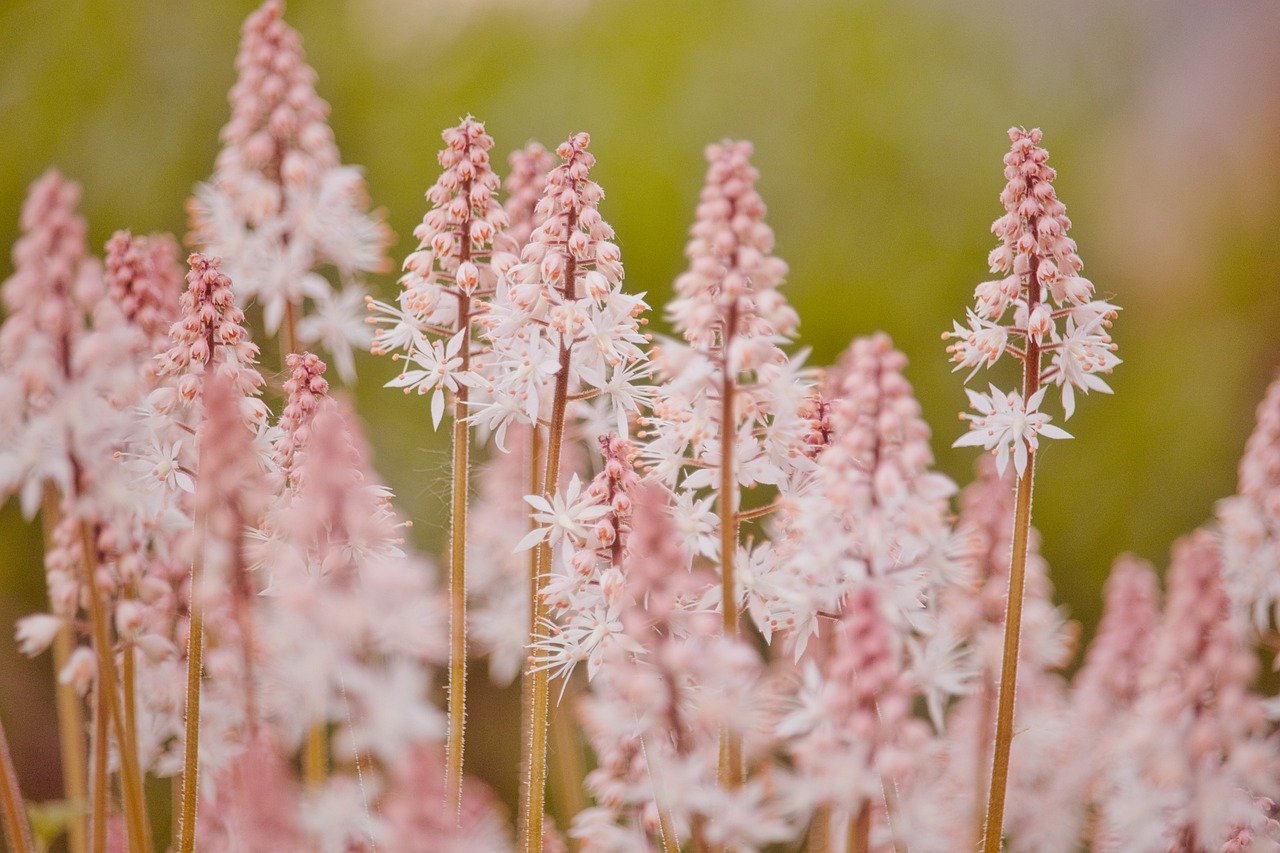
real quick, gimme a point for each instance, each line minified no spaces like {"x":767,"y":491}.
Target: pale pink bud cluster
{"x":1054,"y":312}
{"x":1250,"y":521}
{"x":54,"y":287}
{"x":411,"y":808}
{"x":451,"y":275}
{"x":562,"y":308}
{"x":731,"y":285}
{"x":304,"y":390}
{"x":143,"y":281}
{"x":281,"y":205}
{"x":210,"y":336}
{"x":524,"y":182}
{"x":1195,"y":763}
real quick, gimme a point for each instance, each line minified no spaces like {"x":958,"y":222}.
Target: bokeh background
{"x":879,"y":128}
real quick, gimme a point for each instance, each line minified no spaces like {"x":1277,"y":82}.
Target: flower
{"x":565,"y":515}
{"x":1005,"y":422}
{"x":439,"y":369}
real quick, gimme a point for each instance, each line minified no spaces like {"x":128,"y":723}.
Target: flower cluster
{"x":281,"y":205}
{"x":1054,"y":314}
{"x":731,"y":407}
{"x":560,"y":316}
{"x":233,"y":598}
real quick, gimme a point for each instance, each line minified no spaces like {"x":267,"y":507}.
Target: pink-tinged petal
{"x":437,"y":407}
{"x":530,"y":539}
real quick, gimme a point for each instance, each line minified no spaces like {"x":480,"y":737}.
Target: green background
{"x":879,"y":128}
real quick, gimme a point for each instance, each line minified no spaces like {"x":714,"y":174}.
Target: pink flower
{"x":1003,"y":422}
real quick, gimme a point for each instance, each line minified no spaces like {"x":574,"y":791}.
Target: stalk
{"x":71,"y":724}
{"x":566,"y":754}
{"x":135,"y":809}
{"x":315,"y":758}
{"x":994,"y":830}
{"x":820,"y":831}
{"x":98,"y":821}
{"x":534,"y":801}
{"x":526,"y":684}
{"x":289,"y":331}
{"x":730,"y":771}
{"x":191,"y":754}
{"x":16,"y":830}
{"x":860,"y":830}
{"x":458,"y":548}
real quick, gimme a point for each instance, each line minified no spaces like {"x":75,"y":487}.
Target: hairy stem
{"x":860,"y":830}
{"x":526,"y":684}
{"x":820,"y":831}
{"x":98,"y":767}
{"x":195,"y":666}
{"x":135,"y":809}
{"x":534,"y":803}
{"x":315,"y":757}
{"x":71,"y":724}
{"x":289,"y":331}
{"x":458,"y":572}
{"x":730,"y":771}
{"x":16,"y":830}
{"x":994,"y":830}
{"x":566,"y":755}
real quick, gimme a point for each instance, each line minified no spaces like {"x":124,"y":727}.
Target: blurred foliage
{"x":879,"y":128}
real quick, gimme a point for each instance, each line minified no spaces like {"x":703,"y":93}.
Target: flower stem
{"x":191,"y":753}
{"x":315,"y":757}
{"x":135,"y":809}
{"x":71,"y":728}
{"x":458,"y":573}
{"x":533,"y":804}
{"x":820,"y":831}
{"x":288,"y":331}
{"x":16,"y":829}
{"x":994,"y":830}
{"x":566,"y":755}
{"x":860,"y":830}
{"x":98,"y":767}
{"x":730,"y":771}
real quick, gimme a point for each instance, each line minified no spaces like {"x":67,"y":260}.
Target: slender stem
{"x":860,"y":830}
{"x":191,"y":754}
{"x":289,"y":330}
{"x":534,"y":801}
{"x":98,"y":747}
{"x":566,"y":756}
{"x":526,"y":684}
{"x":730,"y":771}
{"x":458,"y":578}
{"x":71,"y":724}
{"x":315,"y":757}
{"x":994,"y":831}
{"x":16,"y":829}
{"x":667,"y":828}
{"x":820,"y":831}
{"x":135,"y":810}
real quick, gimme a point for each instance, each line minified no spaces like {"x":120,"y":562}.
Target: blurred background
{"x":879,"y":127}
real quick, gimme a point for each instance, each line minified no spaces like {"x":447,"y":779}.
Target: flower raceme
{"x":281,"y":206}
{"x":1054,"y":313}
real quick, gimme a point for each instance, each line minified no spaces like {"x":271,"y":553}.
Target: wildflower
{"x":1004,"y":422}
{"x":280,"y":204}
{"x":562,"y":517}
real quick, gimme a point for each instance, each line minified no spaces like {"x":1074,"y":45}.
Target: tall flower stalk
{"x":560,"y":329}
{"x":447,"y":283}
{"x":16,"y":829}
{"x":727,"y":414}
{"x":1056,"y":318}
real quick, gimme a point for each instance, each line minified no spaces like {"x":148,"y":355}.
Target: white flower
{"x":36,"y":632}
{"x":1003,"y":422}
{"x":567,"y":515}
{"x":338,"y":324}
{"x":438,"y":371}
